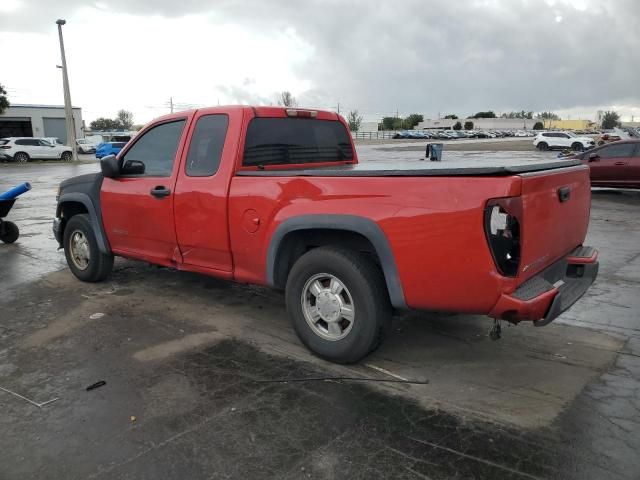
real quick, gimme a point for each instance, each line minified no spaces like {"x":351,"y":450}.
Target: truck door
{"x":202,"y":192}
{"x":137,"y":207}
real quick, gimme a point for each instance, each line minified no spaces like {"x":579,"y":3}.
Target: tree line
{"x":123,"y":121}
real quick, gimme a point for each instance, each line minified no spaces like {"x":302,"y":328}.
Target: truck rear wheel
{"x":338,"y":303}
{"x":84,"y":258}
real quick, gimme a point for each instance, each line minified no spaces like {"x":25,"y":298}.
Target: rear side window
{"x":22,"y":141}
{"x":206,"y":145}
{"x":119,"y":144}
{"x":156,"y":149}
{"x":4,"y":141}
{"x":281,"y":141}
{"x":617,"y":151}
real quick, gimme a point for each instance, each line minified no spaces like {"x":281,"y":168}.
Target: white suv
{"x":22,"y":149}
{"x":548,"y":140}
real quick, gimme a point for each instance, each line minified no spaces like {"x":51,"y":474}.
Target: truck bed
{"x":467,"y":167}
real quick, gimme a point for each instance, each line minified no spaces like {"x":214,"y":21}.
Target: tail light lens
{"x":293,"y":112}
{"x":5,"y":147}
{"x":502,"y":228}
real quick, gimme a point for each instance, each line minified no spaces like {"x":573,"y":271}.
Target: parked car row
{"x":460,"y":134}
{"x":23,"y":149}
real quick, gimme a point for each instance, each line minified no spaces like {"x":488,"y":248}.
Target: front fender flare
{"x":363,"y":226}
{"x":94,"y":217}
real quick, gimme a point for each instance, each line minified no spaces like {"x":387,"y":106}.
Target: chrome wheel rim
{"x":21,"y":158}
{"x":328,"y":307}
{"x":79,"y":250}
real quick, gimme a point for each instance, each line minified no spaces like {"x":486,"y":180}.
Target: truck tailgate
{"x":555,"y":216}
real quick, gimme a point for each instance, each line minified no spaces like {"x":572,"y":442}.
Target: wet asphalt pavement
{"x":204,"y":379}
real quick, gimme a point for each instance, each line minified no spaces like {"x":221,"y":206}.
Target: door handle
{"x":620,"y":163}
{"x":160,"y":191}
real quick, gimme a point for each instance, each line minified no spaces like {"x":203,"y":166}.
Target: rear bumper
{"x":554,"y":290}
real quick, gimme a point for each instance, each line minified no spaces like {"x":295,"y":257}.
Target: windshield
{"x":572,"y":135}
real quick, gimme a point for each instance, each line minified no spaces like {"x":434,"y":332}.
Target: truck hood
{"x":80,"y":179}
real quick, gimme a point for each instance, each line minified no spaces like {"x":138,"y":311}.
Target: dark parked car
{"x":614,"y":164}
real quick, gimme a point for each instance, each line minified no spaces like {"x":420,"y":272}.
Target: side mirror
{"x":594,"y":157}
{"x":133,"y":167}
{"x":109,"y":166}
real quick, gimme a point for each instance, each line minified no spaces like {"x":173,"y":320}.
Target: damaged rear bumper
{"x":554,"y":290}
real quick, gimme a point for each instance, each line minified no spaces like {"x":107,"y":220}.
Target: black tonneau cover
{"x":467,"y":167}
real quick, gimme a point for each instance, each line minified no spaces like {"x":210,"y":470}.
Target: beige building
{"x":479,"y":123}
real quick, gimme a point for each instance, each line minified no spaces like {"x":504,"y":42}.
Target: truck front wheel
{"x":84,"y":258}
{"x":338,"y":303}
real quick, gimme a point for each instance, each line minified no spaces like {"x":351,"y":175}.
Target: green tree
{"x":287,"y":100}
{"x":547,"y":116}
{"x":468,"y":125}
{"x":387,"y":123}
{"x":354,"y":119}
{"x":125,"y":117}
{"x":105,"y":124}
{"x":538,"y":126}
{"x":487,"y":114}
{"x":451,"y":116}
{"x":412,"y":120}
{"x":457,"y":126}
{"x":520,"y":114}
{"x":610,"y":119}
{"x":4,"y":102}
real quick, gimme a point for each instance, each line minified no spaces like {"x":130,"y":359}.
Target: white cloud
{"x":378,"y":57}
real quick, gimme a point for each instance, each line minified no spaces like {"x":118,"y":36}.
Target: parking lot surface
{"x":206,"y":379}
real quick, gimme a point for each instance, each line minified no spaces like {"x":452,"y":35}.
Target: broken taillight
{"x":502,"y":229}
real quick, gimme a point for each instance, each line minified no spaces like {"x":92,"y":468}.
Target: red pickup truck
{"x":276,"y":196}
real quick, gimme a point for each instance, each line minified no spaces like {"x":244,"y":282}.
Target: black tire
{"x":9,"y":232}
{"x":364,"y":283}
{"x":577,"y":147}
{"x":21,"y":157}
{"x":543,"y":146}
{"x":99,"y":264}
{"x":66,"y":156}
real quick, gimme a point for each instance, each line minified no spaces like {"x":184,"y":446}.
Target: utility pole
{"x":171,"y":103}
{"x":68,"y":110}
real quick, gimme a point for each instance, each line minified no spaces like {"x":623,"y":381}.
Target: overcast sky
{"x":573,"y":57}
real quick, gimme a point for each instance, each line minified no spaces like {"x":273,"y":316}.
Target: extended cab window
{"x":155,"y":150}
{"x":281,"y":141}
{"x":206,"y":145}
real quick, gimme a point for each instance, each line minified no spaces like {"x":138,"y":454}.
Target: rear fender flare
{"x":363,"y":226}
{"x":95,"y":219}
